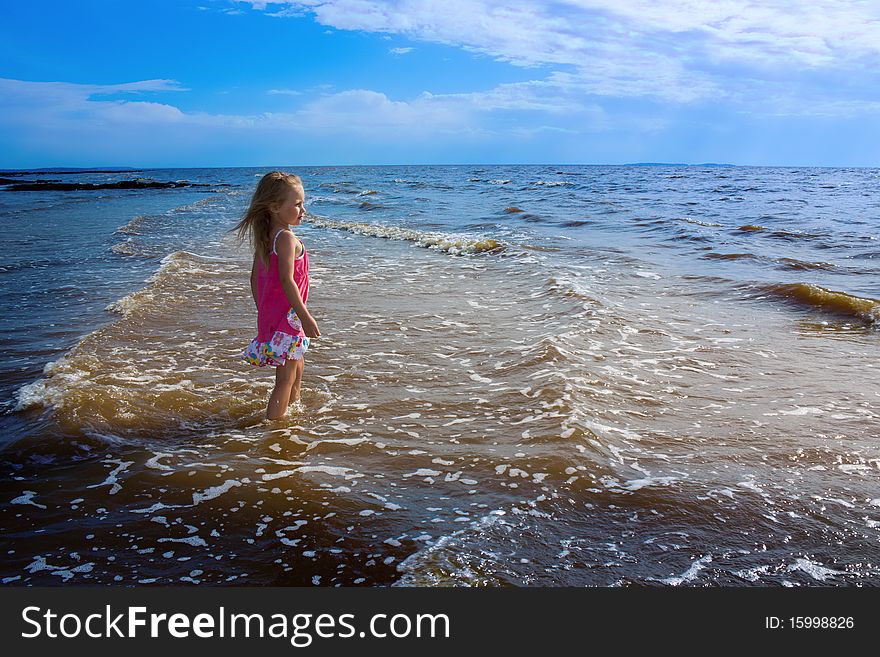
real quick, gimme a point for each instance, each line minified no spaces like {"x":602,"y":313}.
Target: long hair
{"x":271,"y":190}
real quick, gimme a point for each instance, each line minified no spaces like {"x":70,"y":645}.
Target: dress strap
{"x":275,"y":241}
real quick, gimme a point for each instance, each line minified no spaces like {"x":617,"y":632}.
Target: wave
{"x":326,"y":199}
{"x":786,"y":264}
{"x":137,"y":223}
{"x":697,"y":222}
{"x":569,"y":287}
{"x":554,"y":183}
{"x":794,"y":235}
{"x":166,"y":366}
{"x":730,"y":256}
{"x":450,"y":243}
{"x":174,"y":265}
{"x":133,"y":227}
{"x":820,"y":298}
{"x":340,"y":187}
{"x":195,"y":205}
{"x":798,"y":265}
{"x":781,"y":234}
{"x":129,"y":247}
{"x":421,"y":184}
{"x":453,"y":561}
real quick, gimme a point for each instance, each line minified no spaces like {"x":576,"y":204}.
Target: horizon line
{"x":122,"y":169}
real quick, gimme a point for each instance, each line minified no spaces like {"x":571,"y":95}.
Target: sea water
{"x":542,"y":375}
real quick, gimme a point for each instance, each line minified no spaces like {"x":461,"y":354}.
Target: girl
{"x":279,"y":285}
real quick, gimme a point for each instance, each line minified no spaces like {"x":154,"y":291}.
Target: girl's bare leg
{"x":280,"y":398}
{"x":297,"y":381}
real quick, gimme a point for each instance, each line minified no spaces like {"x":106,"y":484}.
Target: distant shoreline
{"x":66,"y":170}
{"x":270,"y":167}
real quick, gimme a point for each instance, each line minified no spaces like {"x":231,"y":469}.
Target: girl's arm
{"x":286,"y":250}
{"x":254,"y":280}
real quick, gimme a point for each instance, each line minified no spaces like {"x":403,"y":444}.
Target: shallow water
{"x":526,"y":375}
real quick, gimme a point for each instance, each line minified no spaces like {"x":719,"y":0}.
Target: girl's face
{"x":291,"y":210}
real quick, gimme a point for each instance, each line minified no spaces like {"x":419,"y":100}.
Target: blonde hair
{"x":271,"y":190}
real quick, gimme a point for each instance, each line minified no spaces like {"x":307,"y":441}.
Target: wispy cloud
{"x":677,"y":51}
{"x":284,"y":92}
{"x":593,"y":74}
{"x":73,"y":105}
{"x":34,"y":101}
{"x":363,"y":110}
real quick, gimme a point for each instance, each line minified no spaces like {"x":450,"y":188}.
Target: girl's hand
{"x":310,"y":327}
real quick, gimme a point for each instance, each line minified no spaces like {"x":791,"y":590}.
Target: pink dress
{"x":279,"y":332}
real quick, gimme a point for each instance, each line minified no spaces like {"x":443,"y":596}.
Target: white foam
{"x":111,"y":479}
{"x":335,"y":471}
{"x":195,"y":541}
{"x":278,"y":475}
{"x":27,"y":498}
{"x":691,"y":573}
{"x":751,"y":485}
{"x":153,"y":462}
{"x":215,"y":491}
{"x":39,"y":564}
{"x":636,"y":484}
{"x":803,"y":410}
{"x":338,"y":441}
{"x":450,"y":243}
{"x":849,"y":468}
{"x":423,"y":472}
{"x":814,"y":570}
{"x":156,"y":507}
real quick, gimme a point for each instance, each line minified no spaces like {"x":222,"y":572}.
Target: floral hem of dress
{"x":276,"y":352}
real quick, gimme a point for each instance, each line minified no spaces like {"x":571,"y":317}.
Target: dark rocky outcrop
{"x":138,"y":183}
{"x":66,"y":172}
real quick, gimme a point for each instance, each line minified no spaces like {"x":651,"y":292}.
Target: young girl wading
{"x":280,"y":286}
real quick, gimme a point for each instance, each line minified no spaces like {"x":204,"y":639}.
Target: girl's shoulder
{"x":287,"y":243}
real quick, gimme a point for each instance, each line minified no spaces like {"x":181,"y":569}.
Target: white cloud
{"x":807,"y":32}
{"x":552,"y":96}
{"x":284,"y":92}
{"x":362,"y":110}
{"x":137,"y":112}
{"x":677,"y":50}
{"x":36,"y":101}
{"x":814,"y":32}
{"x":69,"y":92}
{"x":400,"y":51}
{"x":74,"y":107}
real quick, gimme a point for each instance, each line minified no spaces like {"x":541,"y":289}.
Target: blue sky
{"x":225,"y":83}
